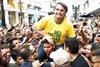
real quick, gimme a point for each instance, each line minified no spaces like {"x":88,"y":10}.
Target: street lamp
{"x":20,"y":14}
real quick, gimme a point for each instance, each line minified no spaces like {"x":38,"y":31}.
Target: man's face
{"x":16,"y":42}
{"x":6,"y":54}
{"x":48,"y":48}
{"x":97,"y":39}
{"x":31,"y":57}
{"x":60,"y":12}
{"x":19,"y":60}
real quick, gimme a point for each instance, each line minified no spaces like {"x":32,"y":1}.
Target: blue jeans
{"x":41,"y":53}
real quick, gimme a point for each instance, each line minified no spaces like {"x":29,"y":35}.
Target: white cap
{"x":60,"y":56}
{"x":49,"y":39}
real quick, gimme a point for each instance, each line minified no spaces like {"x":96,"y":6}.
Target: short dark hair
{"x":97,"y":35}
{"x":72,"y":44}
{"x":44,"y":41}
{"x":15,"y":53}
{"x":64,"y":5}
{"x":26,"y":53}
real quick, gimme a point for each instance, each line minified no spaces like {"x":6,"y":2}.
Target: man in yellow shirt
{"x":55,"y":26}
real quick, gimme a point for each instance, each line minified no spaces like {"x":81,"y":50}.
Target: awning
{"x":85,"y":15}
{"x":91,"y":13}
{"x":95,"y":11}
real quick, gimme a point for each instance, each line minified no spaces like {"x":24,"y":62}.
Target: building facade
{"x":89,"y":5}
{"x":24,"y":11}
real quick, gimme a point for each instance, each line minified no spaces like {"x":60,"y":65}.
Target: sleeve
{"x":71,"y":31}
{"x":41,"y":24}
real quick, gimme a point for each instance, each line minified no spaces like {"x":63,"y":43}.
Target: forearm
{"x":41,"y":32}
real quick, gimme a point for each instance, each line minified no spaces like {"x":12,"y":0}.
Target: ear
{"x":67,"y":49}
{"x":54,"y":46}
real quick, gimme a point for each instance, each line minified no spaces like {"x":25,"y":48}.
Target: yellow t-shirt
{"x":58,"y":31}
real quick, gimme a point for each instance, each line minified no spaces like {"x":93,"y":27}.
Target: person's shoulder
{"x":26,"y":64}
{"x":69,"y":24}
{"x":87,"y":61}
{"x":67,"y":21}
{"x":12,"y":65}
{"x":47,"y":18}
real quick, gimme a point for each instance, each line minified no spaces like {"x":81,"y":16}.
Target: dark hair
{"x":64,"y":5}
{"x":84,"y":23}
{"x":26,"y":53}
{"x":95,"y":48}
{"x":72,"y":44}
{"x":97,"y":35}
{"x":44,"y":41}
{"x":15,"y":53}
{"x":4,"y":46}
{"x":75,"y":26}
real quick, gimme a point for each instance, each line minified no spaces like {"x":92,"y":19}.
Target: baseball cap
{"x":49,"y":39}
{"x":60,"y":56}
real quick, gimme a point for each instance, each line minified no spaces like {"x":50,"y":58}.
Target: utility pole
{"x":3,"y":13}
{"x":76,"y":10}
{"x":20,"y":5}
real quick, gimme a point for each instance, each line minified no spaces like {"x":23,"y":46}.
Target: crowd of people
{"x":52,"y":42}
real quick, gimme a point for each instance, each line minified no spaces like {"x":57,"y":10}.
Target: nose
{"x":46,"y":49}
{"x":58,"y":11}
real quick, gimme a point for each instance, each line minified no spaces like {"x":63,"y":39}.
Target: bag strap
{"x":89,"y":63}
